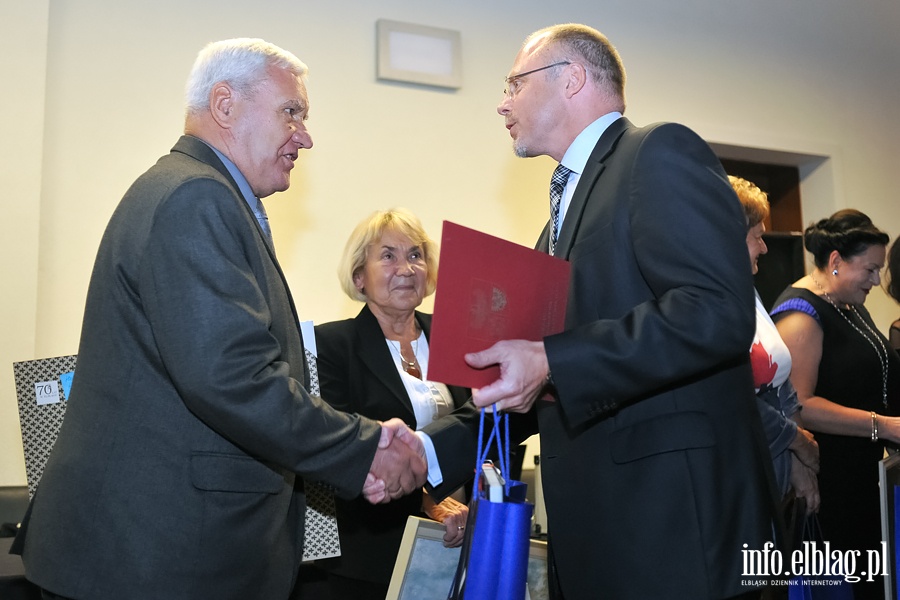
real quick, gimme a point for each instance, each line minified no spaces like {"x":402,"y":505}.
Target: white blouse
{"x":430,"y":400}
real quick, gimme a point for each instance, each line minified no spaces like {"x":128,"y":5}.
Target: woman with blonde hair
{"x":795,"y":453}
{"x":376,"y":364}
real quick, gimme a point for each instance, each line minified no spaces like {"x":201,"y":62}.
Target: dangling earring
{"x":834,"y":272}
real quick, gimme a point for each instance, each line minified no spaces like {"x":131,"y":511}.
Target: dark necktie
{"x":557,"y":183}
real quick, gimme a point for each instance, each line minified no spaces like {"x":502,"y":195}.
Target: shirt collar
{"x":239,"y":179}
{"x":579,"y":151}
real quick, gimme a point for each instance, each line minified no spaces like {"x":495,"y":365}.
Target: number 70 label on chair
{"x":46,"y":392}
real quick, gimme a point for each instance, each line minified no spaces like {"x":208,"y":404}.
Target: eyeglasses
{"x":512,"y":82}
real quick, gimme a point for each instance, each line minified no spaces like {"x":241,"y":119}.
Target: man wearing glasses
{"x":656,"y":475}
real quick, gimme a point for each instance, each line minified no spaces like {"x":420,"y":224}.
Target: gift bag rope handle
{"x":485,"y":447}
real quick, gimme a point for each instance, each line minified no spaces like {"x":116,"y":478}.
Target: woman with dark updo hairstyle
{"x":892,"y":285}
{"x":847,"y":378}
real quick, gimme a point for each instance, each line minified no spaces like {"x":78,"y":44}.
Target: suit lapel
{"x":196,"y":148}
{"x":543,"y":243}
{"x":371,"y":350}
{"x":592,"y":171}
{"x":199,"y":150}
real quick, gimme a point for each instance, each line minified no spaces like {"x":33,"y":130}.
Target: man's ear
{"x":576,"y":78}
{"x":221,"y":104}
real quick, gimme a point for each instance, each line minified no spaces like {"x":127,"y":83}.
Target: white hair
{"x":241,"y":62}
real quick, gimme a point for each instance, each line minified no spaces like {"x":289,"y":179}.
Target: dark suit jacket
{"x":173,"y":474}
{"x":357,"y":374}
{"x":653,"y":461}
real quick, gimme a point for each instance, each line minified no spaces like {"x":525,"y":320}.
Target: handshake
{"x":399,"y":466}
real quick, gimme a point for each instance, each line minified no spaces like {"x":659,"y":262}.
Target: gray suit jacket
{"x":173,"y":474}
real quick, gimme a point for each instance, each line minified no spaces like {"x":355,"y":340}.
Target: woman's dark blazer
{"x":357,"y":375}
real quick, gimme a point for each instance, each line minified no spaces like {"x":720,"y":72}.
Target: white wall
{"x":23,"y":56}
{"x":816,"y":78}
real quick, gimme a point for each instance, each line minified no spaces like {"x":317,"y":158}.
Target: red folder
{"x":490,"y":289}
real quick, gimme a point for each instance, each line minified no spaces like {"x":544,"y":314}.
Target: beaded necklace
{"x":882,"y":353}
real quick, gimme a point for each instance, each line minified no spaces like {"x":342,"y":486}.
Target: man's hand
{"x":806,"y":449}
{"x":523,"y":374}
{"x":399,"y":466}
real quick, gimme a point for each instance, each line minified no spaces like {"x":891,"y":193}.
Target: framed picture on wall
{"x":419,"y":54}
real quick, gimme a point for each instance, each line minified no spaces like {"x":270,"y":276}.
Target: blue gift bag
{"x":493,"y":562}
{"x":818,"y":587}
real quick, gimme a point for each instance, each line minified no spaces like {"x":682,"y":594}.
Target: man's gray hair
{"x":241,"y":62}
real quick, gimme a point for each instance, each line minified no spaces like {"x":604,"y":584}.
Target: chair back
{"x":42,"y":389}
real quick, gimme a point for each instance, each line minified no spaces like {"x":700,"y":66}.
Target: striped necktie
{"x":557,"y":184}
